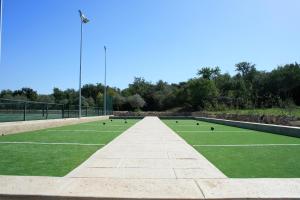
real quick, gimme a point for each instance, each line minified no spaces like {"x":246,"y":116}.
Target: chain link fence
{"x":17,"y":110}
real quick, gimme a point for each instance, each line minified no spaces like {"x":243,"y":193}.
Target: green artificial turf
{"x":242,"y":161}
{"x":255,"y":162}
{"x":59,"y":159}
{"x":42,"y":160}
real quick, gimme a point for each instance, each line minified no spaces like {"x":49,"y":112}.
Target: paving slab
{"x":142,"y":173}
{"x":251,"y":188}
{"x":134,"y":188}
{"x":30,"y":185}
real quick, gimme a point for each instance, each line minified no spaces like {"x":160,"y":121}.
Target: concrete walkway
{"x":147,"y":157}
{"x":147,"y":161}
{"x":148,"y":150}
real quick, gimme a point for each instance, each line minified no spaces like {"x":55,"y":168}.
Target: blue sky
{"x":154,"y":39}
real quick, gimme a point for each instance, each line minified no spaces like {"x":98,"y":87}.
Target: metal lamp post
{"x":83,"y":20}
{"x":1,"y":14}
{"x":104,"y":81}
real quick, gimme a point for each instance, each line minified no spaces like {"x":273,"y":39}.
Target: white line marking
{"x":53,"y":143}
{"x":217,"y":131}
{"x":97,"y":131}
{"x":97,"y":125}
{"x":242,"y":145}
{"x":197,"y":125}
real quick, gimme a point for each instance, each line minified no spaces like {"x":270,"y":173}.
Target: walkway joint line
{"x":198,"y":186}
{"x":95,"y":131}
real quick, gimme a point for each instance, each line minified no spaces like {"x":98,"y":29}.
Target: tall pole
{"x":79,"y":115}
{"x":1,"y":14}
{"x":85,"y":20}
{"x":104,"y":81}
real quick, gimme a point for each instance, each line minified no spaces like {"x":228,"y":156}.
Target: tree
{"x":144,"y":89}
{"x":119,"y":101}
{"x":209,"y":72}
{"x":90,"y":101}
{"x":99,"y":99}
{"x":139,"y":86}
{"x":64,"y":101}
{"x":224,"y":83}
{"x":136,"y":101}
{"x":6,"y":94}
{"x":202,"y":92}
{"x":58,"y":94}
{"x":90,"y":90}
{"x":20,"y":97}
{"x":161,"y":85}
{"x":212,"y":90}
{"x":28,"y":93}
{"x":285,"y":82}
{"x":241,"y":92}
{"x":164,"y":96}
{"x":84,"y":101}
{"x":46,"y":98}
{"x":245,"y":68}
{"x":71,"y":95}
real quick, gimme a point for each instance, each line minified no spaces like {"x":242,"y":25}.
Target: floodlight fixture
{"x":83,"y":18}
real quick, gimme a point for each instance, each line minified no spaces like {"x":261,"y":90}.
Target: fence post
{"x":24,"y":111}
{"x":63,"y":111}
{"x":86,"y":111}
{"x":98,"y":111}
{"x":68,"y":111}
{"x":46,"y":111}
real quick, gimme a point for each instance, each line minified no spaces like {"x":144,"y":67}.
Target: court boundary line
{"x":241,"y":145}
{"x":97,"y":125}
{"x":245,"y":131}
{"x":53,"y":143}
{"x":88,"y":130}
{"x":194,"y":125}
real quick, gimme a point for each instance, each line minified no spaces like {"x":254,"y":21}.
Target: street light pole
{"x":85,"y":20}
{"x":79,"y":114}
{"x":1,"y":15}
{"x":104,"y":81}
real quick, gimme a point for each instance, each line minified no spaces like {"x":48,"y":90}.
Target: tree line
{"x":209,"y":90}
